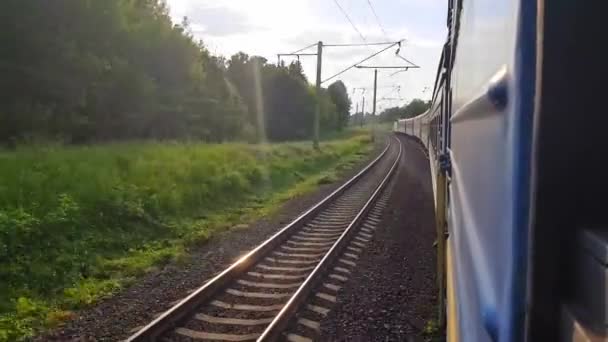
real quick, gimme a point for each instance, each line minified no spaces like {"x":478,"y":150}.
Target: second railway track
{"x":255,"y":298}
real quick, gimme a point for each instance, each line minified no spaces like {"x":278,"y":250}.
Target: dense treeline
{"x":99,"y":70}
{"x":413,"y":108}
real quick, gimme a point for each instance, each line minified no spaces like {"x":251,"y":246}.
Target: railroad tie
{"x":247,"y":307}
{"x":297,"y":338}
{"x":326,"y":296}
{"x":199,"y":335}
{"x":310,"y":324}
{"x":318,"y":309}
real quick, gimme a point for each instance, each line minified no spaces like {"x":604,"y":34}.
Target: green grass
{"x":432,"y":332}
{"x":79,"y":223}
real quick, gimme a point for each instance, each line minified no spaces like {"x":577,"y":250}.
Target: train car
{"x":515,"y":141}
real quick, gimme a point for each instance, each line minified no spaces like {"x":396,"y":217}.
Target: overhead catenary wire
{"x":396,"y":72}
{"x":405,"y":59}
{"x":350,"y":20}
{"x":377,"y":18}
{"x":358,"y":44}
{"x":361,"y":61}
{"x":297,"y":53}
{"x":380,"y":87}
{"x":305,"y":48}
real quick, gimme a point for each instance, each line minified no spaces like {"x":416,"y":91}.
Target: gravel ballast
{"x":118,"y":317}
{"x":392,"y":293}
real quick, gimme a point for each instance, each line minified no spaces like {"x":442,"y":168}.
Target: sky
{"x":268,"y":27}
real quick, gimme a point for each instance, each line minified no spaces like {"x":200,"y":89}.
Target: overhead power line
{"x":405,"y":59}
{"x":387,"y":67}
{"x":305,"y":48}
{"x":364,"y":44}
{"x":350,"y":20}
{"x":382,"y":87}
{"x":377,"y":18}
{"x":361,"y":61}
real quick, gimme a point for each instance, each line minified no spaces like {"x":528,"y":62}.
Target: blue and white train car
{"x":516,"y":140}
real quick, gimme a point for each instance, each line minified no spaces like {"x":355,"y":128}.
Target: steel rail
{"x":280,"y":322}
{"x":170,"y":318}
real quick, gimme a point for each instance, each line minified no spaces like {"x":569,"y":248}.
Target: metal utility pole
{"x":363,"y":112}
{"x":317,"y":120}
{"x":404,"y":68}
{"x":374,"y":110}
{"x":319,"y":54}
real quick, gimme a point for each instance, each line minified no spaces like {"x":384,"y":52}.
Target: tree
{"x":295,"y":70}
{"x":289,"y":105}
{"x":95,"y":71}
{"x":412,"y":109}
{"x":339,"y":95}
{"x":416,"y":107}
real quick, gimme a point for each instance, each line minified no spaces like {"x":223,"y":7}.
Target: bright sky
{"x":268,"y":27}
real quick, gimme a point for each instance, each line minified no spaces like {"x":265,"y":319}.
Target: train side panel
{"x":481,"y":118}
{"x":490,"y":154}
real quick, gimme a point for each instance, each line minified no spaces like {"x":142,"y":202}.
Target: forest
{"x":124,"y":143}
{"x":87,"y":71}
{"x":391,"y":114}
{"x":413,"y":108}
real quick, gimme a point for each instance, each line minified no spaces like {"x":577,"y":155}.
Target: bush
{"x":76,"y":222}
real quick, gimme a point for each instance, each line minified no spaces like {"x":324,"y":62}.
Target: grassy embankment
{"x":79,"y":223}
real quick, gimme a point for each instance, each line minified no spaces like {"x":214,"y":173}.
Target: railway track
{"x":299,"y":268}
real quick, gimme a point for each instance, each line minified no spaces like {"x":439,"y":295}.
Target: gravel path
{"x":392,"y":294}
{"x":116,"y":318}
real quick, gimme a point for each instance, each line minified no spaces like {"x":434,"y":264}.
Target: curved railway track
{"x":257,"y":297}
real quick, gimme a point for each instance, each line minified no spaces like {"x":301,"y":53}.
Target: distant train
{"x":516,"y":137}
